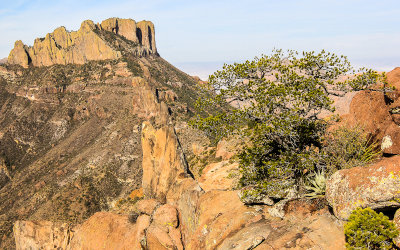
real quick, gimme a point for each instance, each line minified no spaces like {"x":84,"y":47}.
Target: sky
{"x":198,"y":36}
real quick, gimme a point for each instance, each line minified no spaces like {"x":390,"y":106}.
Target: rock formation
{"x":376,"y":186}
{"x":87,"y":44}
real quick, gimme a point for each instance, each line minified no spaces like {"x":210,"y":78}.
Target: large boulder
{"x":393,"y":77}
{"x":376,"y":186}
{"x":370,"y":110}
{"x":110,"y":231}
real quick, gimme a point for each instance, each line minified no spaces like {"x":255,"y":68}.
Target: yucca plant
{"x":318,"y":185}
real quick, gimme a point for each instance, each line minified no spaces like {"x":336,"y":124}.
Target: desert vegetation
{"x":276,"y":101}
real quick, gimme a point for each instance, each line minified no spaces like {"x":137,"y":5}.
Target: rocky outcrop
{"x":376,"y":186}
{"x":393,"y":77}
{"x":41,"y":235}
{"x":184,"y":216}
{"x":378,"y":113}
{"x":86,"y":44}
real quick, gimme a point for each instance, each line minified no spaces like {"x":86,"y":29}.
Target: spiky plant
{"x":318,"y":185}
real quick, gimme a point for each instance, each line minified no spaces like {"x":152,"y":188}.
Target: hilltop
{"x":91,"y":42}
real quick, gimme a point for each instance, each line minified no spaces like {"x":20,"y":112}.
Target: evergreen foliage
{"x":366,"y":229}
{"x":275,"y":101}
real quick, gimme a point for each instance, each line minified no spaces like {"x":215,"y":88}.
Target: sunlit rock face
{"x":87,"y":44}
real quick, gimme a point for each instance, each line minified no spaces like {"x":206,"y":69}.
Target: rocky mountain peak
{"x":108,"y":40}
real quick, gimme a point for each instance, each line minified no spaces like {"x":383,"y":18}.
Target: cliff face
{"x":87,"y":44}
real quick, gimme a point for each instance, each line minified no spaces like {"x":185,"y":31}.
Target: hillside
{"x":69,"y":135}
{"x":96,"y":153}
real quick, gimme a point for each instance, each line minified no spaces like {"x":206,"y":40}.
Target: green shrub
{"x":366,"y":229}
{"x":348,"y":147}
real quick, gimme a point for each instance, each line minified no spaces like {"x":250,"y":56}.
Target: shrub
{"x":348,"y":147}
{"x":366,"y":229}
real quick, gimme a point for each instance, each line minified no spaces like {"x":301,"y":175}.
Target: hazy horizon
{"x":198,"y":37}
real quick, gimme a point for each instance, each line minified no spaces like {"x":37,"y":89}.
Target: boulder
{"x":393,"y":77}
{"x":220,"y":214}
{"x":370,"y":110}
{"x":41,"y":235}
{"x":106,"y":230}
{"x":391,"y":140}
{"x":166,"y":216}
{"x":376,"y":186}
{"x":219,"y":175}
{"x":147,"y":206}
{"x":158,"y":238}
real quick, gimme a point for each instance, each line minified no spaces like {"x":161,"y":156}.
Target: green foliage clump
{"x":275,"y":101}
{"x":348,"y":147}
{"x":366,"y":229}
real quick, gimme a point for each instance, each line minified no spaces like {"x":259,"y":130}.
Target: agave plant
{"x":318,"y":185}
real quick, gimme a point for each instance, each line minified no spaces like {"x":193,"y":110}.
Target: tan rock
{"x":146,"y":104}
{"x":185,"y":195}
{"x":19,"y":55}
{"x":127,"y":29}
{"x":391,"y":140}
{"x":176,"y":237}
{"x":166,"y":216}
{"x":393,"y":77}
{"x":142,"y":223}
{"x":219,"y":176}
{"x":147,"y":206}
{"x":374,"y":186}
{"x":220,"y":215}
{"x":122,"y":27}
{"x":158,"y":238}
{"x":109,"y":231}
{"x":226,"y":149}
{"x":162,"y":160}
{"x":369,"y":109}
{"x":79,"y":47}
{"x":146,"y":35}
{"x":41,"y":235}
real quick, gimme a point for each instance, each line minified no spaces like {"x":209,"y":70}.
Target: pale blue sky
{"x":198,"y":36}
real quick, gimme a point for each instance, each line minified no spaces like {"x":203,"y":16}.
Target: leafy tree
{"x":275,"y":101}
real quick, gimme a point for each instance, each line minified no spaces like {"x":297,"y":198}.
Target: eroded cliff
{"x":91,"y":42}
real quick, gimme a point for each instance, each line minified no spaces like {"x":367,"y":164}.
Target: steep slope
{"x":70,"y":133}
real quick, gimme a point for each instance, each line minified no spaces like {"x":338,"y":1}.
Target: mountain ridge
{"x":91,"y":42}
